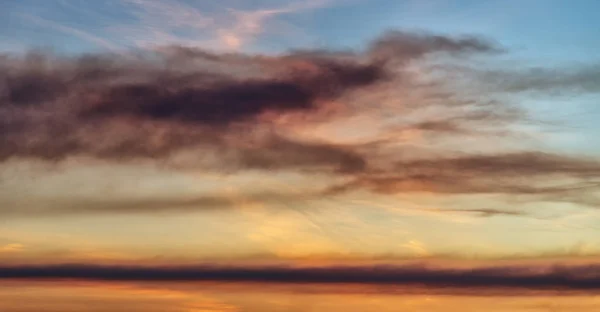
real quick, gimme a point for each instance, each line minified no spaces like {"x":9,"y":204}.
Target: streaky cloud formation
{"x":233,"y":112}
{"x":156,"y":204}
{"x":480,"y":174}
{"x":573,"y":277}
{"x":579,"y":79}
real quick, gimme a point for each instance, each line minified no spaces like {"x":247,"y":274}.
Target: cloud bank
{"x":585,"y":277}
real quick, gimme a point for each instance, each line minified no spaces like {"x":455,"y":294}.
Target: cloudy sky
{"x":332,"y":133}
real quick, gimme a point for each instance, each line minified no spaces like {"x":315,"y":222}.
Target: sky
{"x":449,"y":144}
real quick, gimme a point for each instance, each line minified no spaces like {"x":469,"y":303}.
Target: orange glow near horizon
{"x":105,"y":297}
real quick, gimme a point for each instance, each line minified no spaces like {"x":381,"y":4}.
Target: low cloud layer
{"x":585,"y":277}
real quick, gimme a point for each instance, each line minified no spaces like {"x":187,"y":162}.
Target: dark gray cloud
{"x":404,"y":46}
{"x":226,"y":101}
{"x":153,"y":104}
{"x":583,"y":277}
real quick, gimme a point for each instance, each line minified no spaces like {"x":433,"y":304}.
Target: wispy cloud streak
{"x":87,"y":36}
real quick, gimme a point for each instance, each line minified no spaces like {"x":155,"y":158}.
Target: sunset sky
{"x":150,"y":142}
